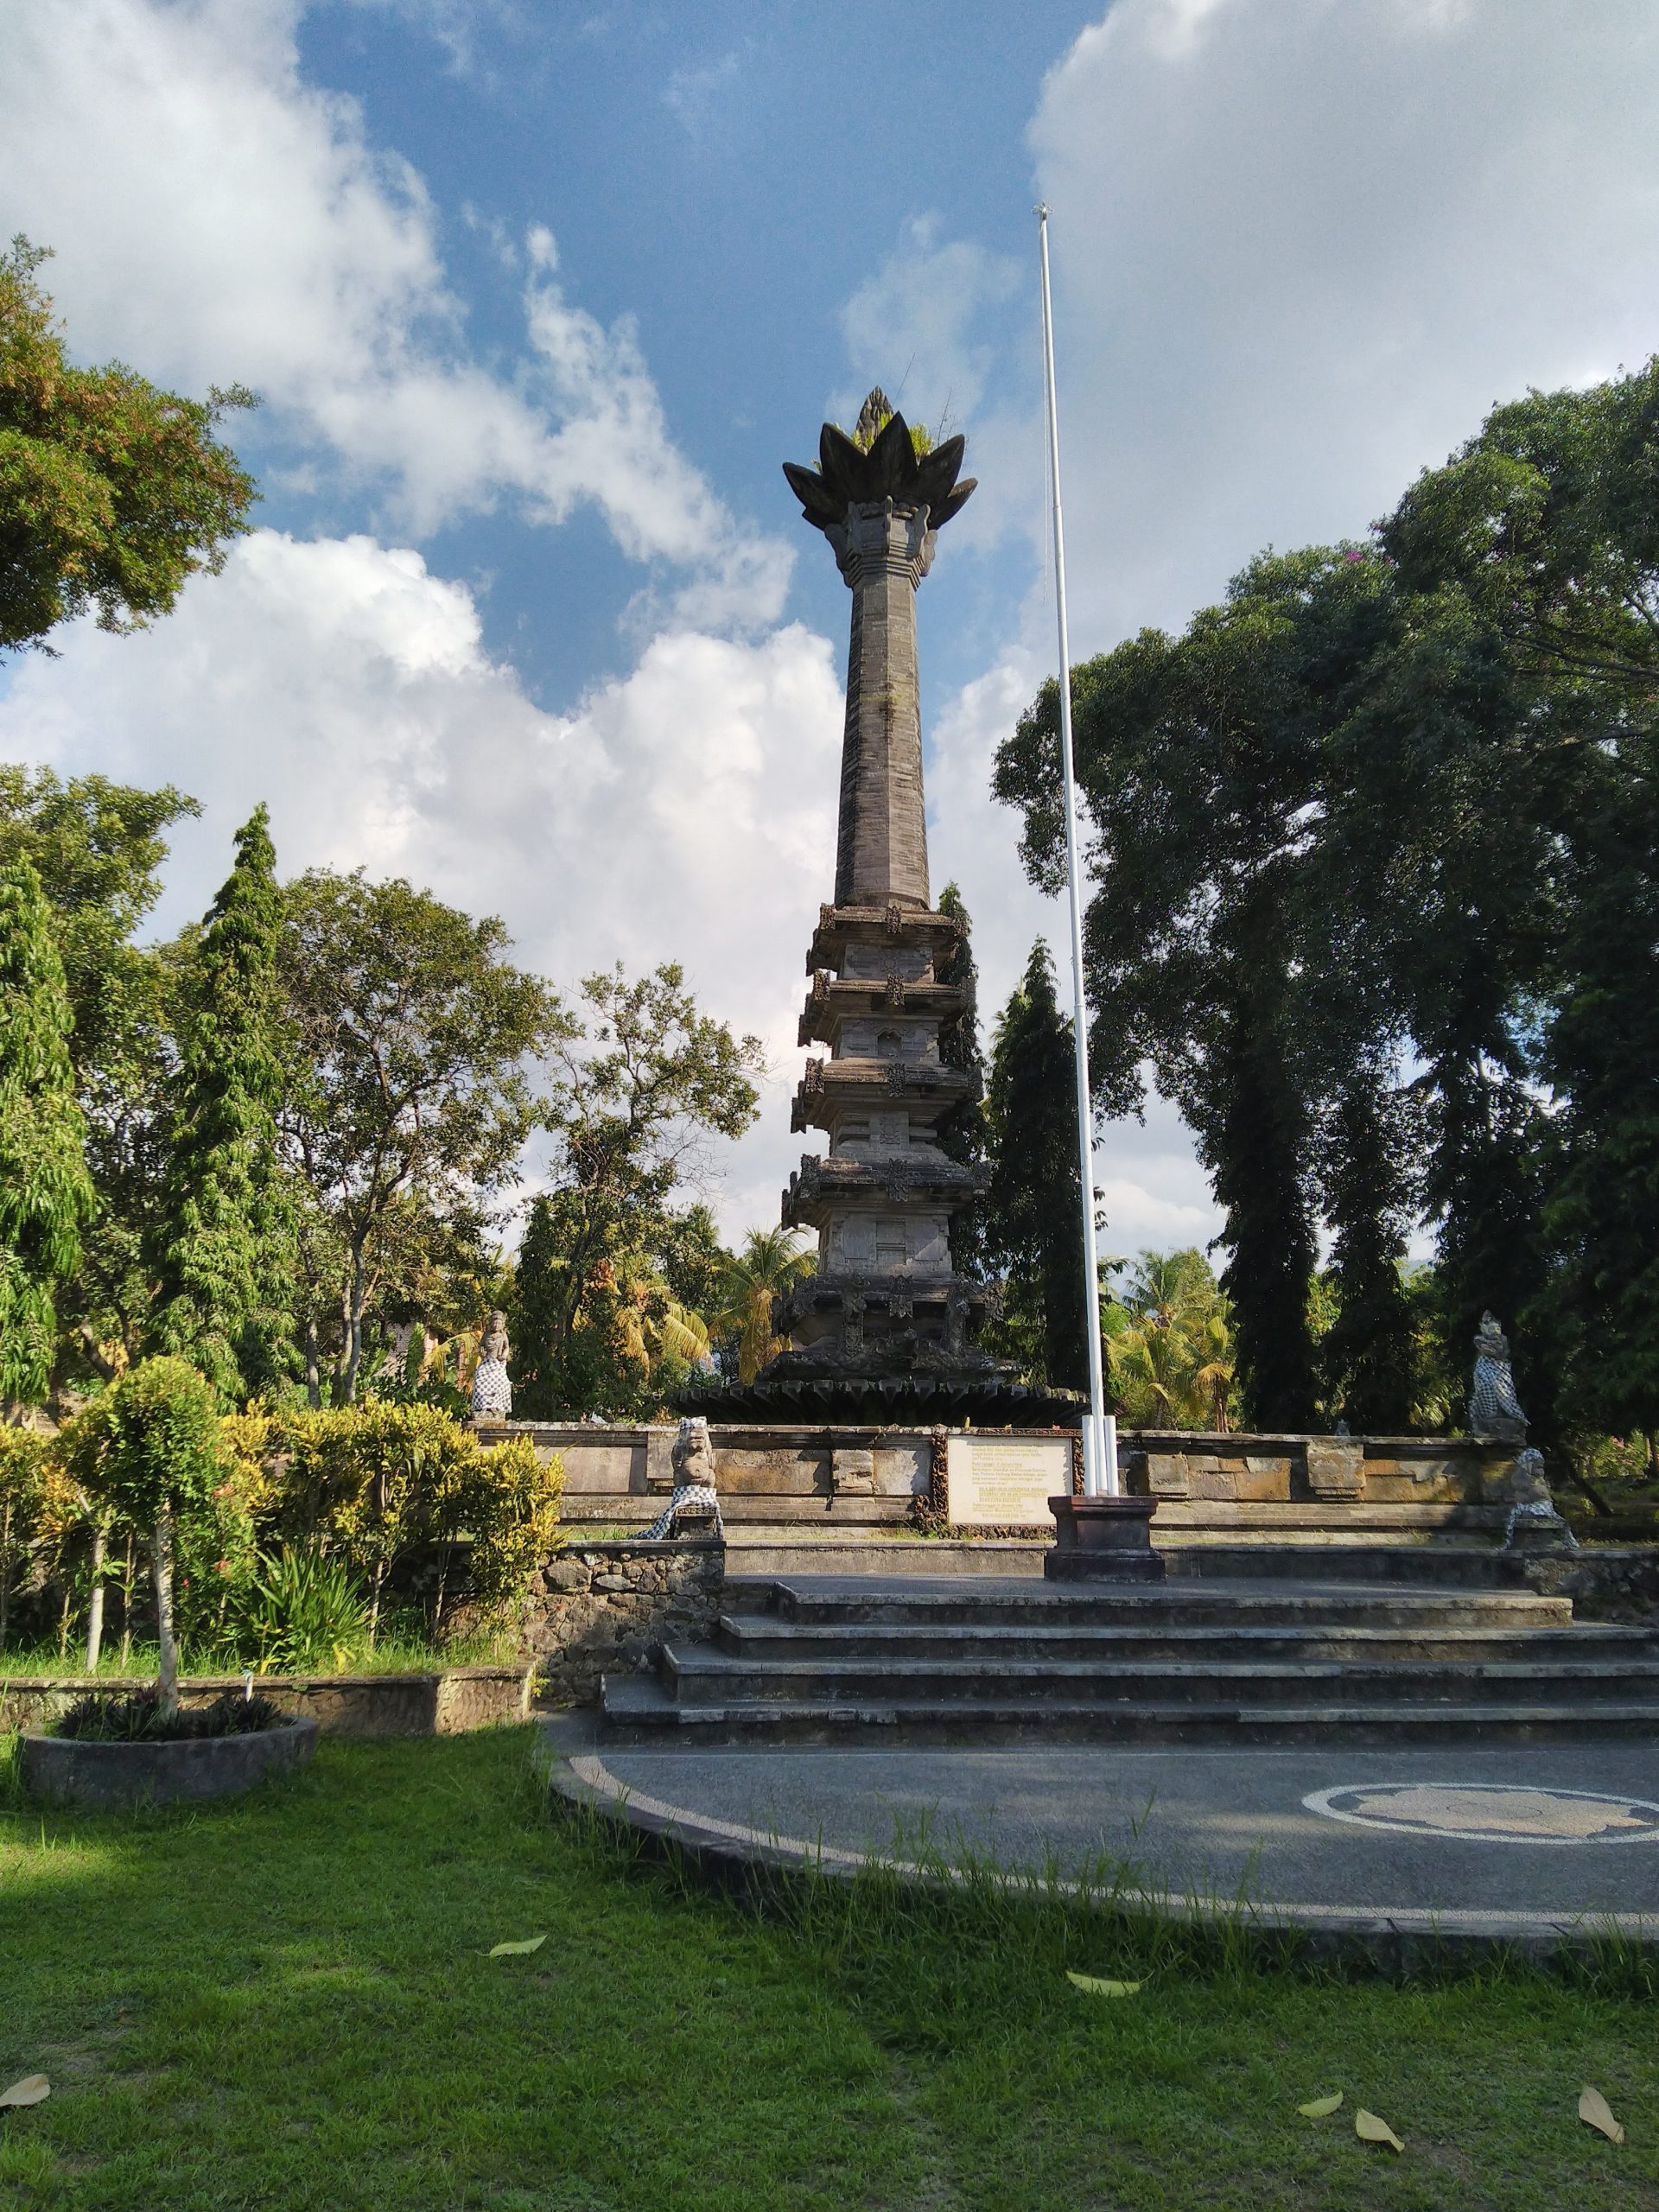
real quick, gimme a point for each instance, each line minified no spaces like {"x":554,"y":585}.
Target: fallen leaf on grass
{"x":518,"y":1950}
{"x":34,"y":2089}
{"x":1370,"y":2129}
{"x":1321,"y":2107}
{"x":1593,"y":2110}
{"x":1096,"y":1987}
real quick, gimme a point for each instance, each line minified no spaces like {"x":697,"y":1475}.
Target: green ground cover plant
{"x":287,"y":2001}
{"x":401,"y":1649}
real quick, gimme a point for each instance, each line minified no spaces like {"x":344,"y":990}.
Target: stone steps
{"x":639,"y":1711}
{"x":948,"y":1602}
{"x":1199,"y":1659}
{"x":1395,"y":1542}
{"x":778,"y":1645}
{"x":695,"y":1675}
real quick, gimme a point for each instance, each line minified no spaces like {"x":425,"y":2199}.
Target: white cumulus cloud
{"x":683,"y":812}
{"x":1300,"y":248}
{"x":221,"y":219}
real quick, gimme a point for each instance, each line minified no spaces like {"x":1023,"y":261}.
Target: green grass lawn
{"x":395,"y":1653}
{"x":284,"y":2002}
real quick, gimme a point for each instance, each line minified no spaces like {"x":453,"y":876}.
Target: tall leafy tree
{"x":112,"y":493}
{"x":1601,"y":1052}
{"x":1522,"y":721}
{"x":97,"y":847}
{"x":644,"y":1082}
{"x":45,"y":1194}
{"x":408,"y":1103}
{"x":1384,"y":812}
{"x":223,"y":1245}
{"x":1201,"y":755}
{"x":1033,"y":1211}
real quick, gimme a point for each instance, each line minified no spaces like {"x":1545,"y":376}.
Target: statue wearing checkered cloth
{"x":692,"y":1458}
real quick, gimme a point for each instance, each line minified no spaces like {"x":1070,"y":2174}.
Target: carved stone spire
{"x":881,"y":503}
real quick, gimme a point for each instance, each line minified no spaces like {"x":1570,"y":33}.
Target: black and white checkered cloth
{"x":695,"y":1498}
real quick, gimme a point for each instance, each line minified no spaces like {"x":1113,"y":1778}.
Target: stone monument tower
{"x":886,"y":1328}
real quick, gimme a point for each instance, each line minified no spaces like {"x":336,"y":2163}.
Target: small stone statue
{"x":1533,"y":1518}
{"x":692,"y":1457}
{"x":491,"y":1391}
{"x":1494,"y":1409}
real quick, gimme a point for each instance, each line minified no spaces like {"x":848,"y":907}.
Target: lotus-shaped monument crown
{"x":887,"y":466}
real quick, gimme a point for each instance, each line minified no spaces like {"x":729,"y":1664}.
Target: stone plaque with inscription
{"x":1005,"y":1482}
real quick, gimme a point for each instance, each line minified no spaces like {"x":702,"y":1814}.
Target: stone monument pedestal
{"x":1103,"y":1540}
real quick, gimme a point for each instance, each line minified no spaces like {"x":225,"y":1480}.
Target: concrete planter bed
{"x":448,"y":1701}
{"x":104,"y":1778}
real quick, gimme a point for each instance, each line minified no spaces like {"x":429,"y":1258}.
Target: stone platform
{"x":781,"y":1485}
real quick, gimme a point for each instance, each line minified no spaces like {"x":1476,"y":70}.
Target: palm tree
{"x":770,"y":1262}
{"x":1170,"y":1343}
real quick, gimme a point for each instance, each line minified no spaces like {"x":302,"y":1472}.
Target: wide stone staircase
{"x":1255,"y":1646}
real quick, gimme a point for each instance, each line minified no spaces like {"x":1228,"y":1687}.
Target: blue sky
{"x":538,"y":296}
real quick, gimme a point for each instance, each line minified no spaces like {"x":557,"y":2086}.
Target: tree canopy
{"x":408,"y":1100}
{"x":1372,"y":900}
{"x":1034,"y":1216}
{"x":225,"y":1290}
{"x":112,"y":493}
{"x":642,"y":1082}
{"x":45,"y":1194}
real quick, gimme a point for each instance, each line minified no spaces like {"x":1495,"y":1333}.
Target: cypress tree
{"x":962,"y":1131}
{"x":224,"y":1252}
{"x":45,"y":1194}
{"x":1034,"y":1217}
{"x":1255,"y":1142}
{"x":539,"y":1281}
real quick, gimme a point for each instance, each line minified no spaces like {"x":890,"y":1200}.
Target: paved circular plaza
{"x":1511,"y":1841}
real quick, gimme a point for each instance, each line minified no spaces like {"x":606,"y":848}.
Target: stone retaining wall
{"x":602,"y":1607}
{"x":873,"y":1475}
{"x":1291,"y":1470}
{"x":447,"y":1702}
{"x":1607,"y":1582}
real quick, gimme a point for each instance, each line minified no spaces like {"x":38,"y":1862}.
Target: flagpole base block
{"x":1103,"y":1540}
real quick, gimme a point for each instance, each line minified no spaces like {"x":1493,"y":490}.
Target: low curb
{"x":96,"y":1777}
{"x":745,"y":1863}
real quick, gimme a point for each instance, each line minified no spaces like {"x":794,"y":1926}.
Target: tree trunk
{"x":313,"y":1365}
{"x":5,"y":1569}
{"x":95,"y":1355}
{"x":95,"y":1602}
{"x":126,"y":1607}
{"x":374,"y":1603}
{"x":356,"y":1300}
{"x":166,"y":1675}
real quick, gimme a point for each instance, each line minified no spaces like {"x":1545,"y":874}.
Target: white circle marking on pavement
{"x":1489,"y":1812}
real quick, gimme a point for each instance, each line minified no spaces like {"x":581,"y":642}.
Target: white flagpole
{"x":1099,"y":1428}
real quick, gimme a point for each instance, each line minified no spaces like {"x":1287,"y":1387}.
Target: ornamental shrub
{"x":509,"y":1508}
{"x":383,"y":1486}
{"x":150,"y":1452}
{"x":304,"y":1613}
{"x":22,"y":1456}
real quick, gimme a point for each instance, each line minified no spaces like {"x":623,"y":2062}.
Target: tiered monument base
{"x":792,"y":1488}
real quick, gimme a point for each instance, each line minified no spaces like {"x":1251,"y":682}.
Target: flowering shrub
{"x":401,"y":1503}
